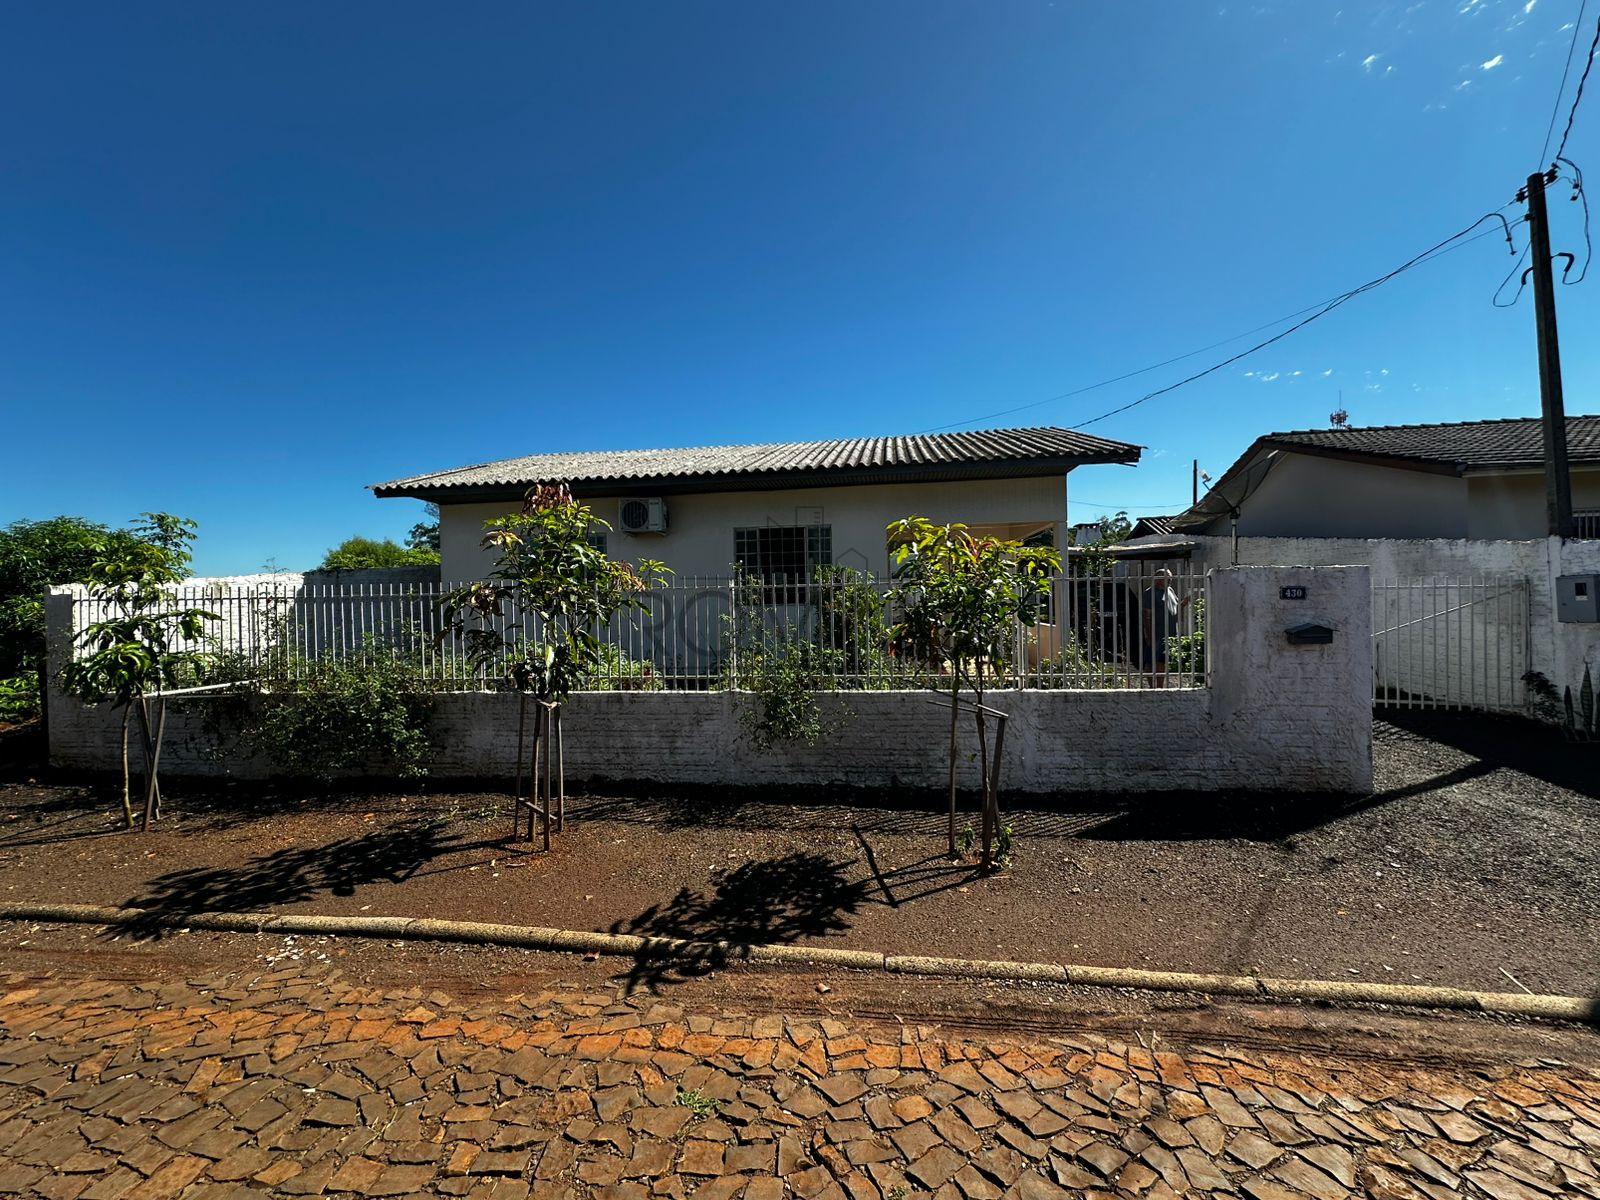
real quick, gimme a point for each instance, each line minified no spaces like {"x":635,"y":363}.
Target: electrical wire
{"x":1577,"y":97}
{"x":1555,"y":112}
{"x":1433,"y":251}
{"x":1167,"y":362}
{"x":1515,"y":267}
{"x":1578,"y":193}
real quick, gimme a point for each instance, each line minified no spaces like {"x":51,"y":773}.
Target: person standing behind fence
{"x":1161,"y":610}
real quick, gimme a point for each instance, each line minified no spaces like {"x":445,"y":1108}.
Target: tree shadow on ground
{"x":285,"y":877}
{"x":770,"y":901}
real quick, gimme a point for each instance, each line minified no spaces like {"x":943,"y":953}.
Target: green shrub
{"x":614,"y":671}
{"x":19,"y":698}
{"x":1186,"y":652}
{"x":364,"y":553}
{"x":351,"y":715}
{"x":783,"y":680}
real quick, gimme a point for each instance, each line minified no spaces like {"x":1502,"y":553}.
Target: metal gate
{"x":1450,"y":643}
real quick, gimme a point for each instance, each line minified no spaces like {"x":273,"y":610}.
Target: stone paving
{"x":298,"y":1082}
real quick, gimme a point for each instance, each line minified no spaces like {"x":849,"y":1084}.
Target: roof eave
{"x":763,"y":481}
{"x":1401,"y":462}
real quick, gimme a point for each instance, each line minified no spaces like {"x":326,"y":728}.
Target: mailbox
{"x":1309,"y":633}
{"x":1578,"y":598}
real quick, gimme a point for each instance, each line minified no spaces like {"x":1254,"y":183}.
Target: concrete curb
{"x":533,"y":937}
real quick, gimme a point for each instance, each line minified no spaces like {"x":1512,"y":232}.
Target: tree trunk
{"x":127,"y":798}
{"x":147,"y":743}
{"x":992,"y":797}
{"x":955,"y":715}
{"x":516,"y":783}
{"x":561,"y":773}
{"x":987,"y":859}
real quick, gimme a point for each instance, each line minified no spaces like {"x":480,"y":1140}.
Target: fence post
{"x":733,"y":632}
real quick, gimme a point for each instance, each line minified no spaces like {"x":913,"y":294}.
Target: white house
{"x":1451,"y":519}
{"x":1482,"y":480}
{"x":777,"y":509}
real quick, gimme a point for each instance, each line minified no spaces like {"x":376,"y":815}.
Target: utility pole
{"x":1557,"y":480}
{"x":1194,"y":481}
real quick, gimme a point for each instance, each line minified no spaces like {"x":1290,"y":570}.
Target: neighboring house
{"x":1451,"y":520}
{"x":1151,"y":526}
{"x":1470,"y":479}
{"x":776,"y":510}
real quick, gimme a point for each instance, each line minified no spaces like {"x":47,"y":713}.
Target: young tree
{"x":34,"y":555}
{"x":553,"y":583}
{"x":961,"y":600}
{"x":134,"y":651}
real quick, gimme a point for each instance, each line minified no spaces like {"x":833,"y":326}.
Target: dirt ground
{"x":1475,"y":863}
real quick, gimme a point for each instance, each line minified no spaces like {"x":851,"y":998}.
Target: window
{"x":597,"y":541}
{"x":783,"y":557}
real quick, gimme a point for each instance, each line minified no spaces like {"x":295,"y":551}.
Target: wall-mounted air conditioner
{"x":644,"y":516}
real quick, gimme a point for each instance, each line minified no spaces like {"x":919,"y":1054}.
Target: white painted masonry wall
{"x":699,"y":541}
{"x":1276,"y":717}
{"x":1307,"y":495}
{"x":1558,"y":650}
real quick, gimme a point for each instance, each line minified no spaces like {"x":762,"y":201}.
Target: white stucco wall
{"x":1557,"y":649}
{"x":1307,"y":496}
{"x":1276,"y":717}
{"x":699,"y":541}
{"x":1512,"y":505}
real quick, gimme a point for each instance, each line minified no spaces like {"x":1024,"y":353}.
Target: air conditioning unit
{"x":644,"y":516}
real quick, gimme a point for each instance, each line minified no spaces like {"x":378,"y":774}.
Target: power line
{"x":1167,"y":362}
{"x":1577,"y":97}
{"x":1433,"y":251}
{"x":1579,"y":193}
{"x":1515,"y":267}
{"x":1555,"y":112}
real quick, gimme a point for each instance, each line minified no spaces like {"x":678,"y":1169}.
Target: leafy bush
{"x":614,"y":671}
{"x":364,"y":553}
{"x":345,"y":716}
{"x":783,"y":680}
{"x":19,"y":698}
{"x":1074,"y":667}
{"x":1186,"y":652}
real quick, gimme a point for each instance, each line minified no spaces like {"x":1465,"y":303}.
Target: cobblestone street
{"x":302,"y":1082}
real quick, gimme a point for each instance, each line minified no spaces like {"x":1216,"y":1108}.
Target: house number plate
{"x":1297,"y":592}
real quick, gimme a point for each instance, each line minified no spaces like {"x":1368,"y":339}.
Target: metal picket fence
{"x":1456,"y":643}
{"x":696,"y":634}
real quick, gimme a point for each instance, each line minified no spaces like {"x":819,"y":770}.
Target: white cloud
{"x":1494,"y":62}
{"x":1327,"y":373}
{"x":1368,"y":62}
{"x":1528,"y":7}
{"x":1269,"y":378}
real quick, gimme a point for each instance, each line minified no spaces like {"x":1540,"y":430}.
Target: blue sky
{"x":254,"y":258}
